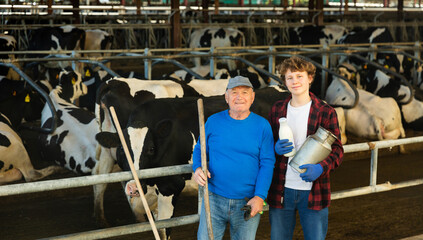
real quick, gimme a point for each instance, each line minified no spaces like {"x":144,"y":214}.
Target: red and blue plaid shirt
{"x":321,"y":114}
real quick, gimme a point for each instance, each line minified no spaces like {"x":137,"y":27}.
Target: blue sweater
{"x":240,"y":154}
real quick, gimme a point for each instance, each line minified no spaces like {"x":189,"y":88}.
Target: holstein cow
{"x":373,"y":118}
{"x":8,"y":44}
{"x":72,"y":145}
{"x":257,"y":79}
{"x":375,"y":81}
{"x":125,"y":95}
{"x":163,"y":132}
{"x":56,"y":38}
{"x":329,"y":34}
{"x":216,"y":37}
{"x":16,"y":103}
{"x":371,"y":35}
{"x":98,"y":39}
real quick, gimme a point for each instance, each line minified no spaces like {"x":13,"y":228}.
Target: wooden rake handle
{"x":134,"y":173}
{"x":204,"y":166}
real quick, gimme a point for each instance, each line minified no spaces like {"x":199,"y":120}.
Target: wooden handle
{"x":134,"y":173}
{"x":204,"y":166}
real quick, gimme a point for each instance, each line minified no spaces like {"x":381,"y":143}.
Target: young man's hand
{"x":283,"y":146}
{"x":313,"y":172}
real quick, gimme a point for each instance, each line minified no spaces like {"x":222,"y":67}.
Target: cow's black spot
{"x":205,"y":40}
{"x":1,"y":165}
{"x":235,"y":41}
{"x":78,"y":169}
{"x":4,"y":141}
{"x":220,"y":33}
{"x":83,"y":116}
{"x":90,"y":163}
{"x":10,"y":167}
{"x":143,"y":96}
{"x":72,"y":163}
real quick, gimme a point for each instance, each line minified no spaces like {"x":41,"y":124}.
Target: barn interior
{"x":152,"y":40}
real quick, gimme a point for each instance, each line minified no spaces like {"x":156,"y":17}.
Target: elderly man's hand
{"x":256,"y":204}
{"x":199,"y":176}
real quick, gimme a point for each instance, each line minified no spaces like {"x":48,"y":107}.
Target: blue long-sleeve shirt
{"x":240,"y":154}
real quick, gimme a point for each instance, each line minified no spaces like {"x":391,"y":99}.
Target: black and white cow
{"x":375,"y":81}
{"x":216,"y":37}
{"x":8,"y":44}
{"x":371,"y":35}
{"x":97,"y":39}
{"x":125,"y":95}
{"x":373,"y":118}
{"x":329,"y":34}
{"x":163,"y":132}
{"x":72,"y":145}
{"x":56,"y":38}
{"x":257,"y":79}
{"x":17,"y":102}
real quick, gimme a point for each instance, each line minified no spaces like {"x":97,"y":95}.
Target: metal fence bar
{"x":373,"y":189}
{"x":129,"y":229}
{"x":65,"y":183}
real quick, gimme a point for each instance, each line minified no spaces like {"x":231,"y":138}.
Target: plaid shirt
{"x":320,"y":114}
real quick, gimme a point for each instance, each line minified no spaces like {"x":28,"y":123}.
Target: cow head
{"x":71,"y":85}
{"x":348,"y":71}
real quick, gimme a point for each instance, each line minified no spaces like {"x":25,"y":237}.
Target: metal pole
{"x":134,"y":173}
{"x":204,"y":166}
{"x":373,"y":167}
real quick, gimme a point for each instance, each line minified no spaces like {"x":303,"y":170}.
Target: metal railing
{"x":49,"y":185}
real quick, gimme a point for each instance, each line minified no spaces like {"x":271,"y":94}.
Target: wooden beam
{"x":138,"y":5}
{"x":175,"y":23}
{"x":400,"y":10}
{"x":205,"y":5}
{"x":319,"y":8}
{"x":75,"y":13}
{"x":49,"y":4}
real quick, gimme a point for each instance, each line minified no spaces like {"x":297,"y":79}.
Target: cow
{"x":163,"y":132}
{"x":375,"y":81}
{"x":371,"y":35}
{"x":329,"y":34}
{"x":8,"y":44}
{"x":17,"y":102}
{"x":125,"y":94}
{"x":216,"y":37}
{"x":72,"y":145}
{"x":257,"y":79}
{"x":374,"y":117}
{"x":61,"y":38}
{"x":340,"y":113}
{"x":98,"y":39}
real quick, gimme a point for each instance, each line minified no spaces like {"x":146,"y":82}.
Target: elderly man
{"x":241,"y":161}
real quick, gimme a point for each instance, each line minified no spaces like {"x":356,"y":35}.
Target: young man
{"x":241,"y":160}
{"x":309,"y":192}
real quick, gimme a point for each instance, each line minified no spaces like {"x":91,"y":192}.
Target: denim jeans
{"x":282,"y":221}
{"x":224,"y":210}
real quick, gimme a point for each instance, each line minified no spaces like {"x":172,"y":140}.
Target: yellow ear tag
{"x":27,"y":98}
{"x":57,"y":76}
{"x":387,"y":57}
{"x":386,"y":66}
{"x":409,"y":59}
{"x":365,"y":67}
{"x":88,"y":73}
{"x":14,"y":93}
{"x":73,"y":81}
{"x":353,"y":75}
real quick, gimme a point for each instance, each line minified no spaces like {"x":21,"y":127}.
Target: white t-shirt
{"x":297,"y":121}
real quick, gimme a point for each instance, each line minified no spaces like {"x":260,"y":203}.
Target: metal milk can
{"x":314,"y":150}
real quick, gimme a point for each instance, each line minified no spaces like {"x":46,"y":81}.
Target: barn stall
{"x":149,"y":57}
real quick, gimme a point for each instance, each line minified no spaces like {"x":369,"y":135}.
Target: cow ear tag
{"x":27,"y":98}
{"x":88,"y":73}
{"x":387,"y":57}
{"x":73,"y":81}
{"x":57,"y":76}
{"x":14,"y":93}
{"x":365,"y":66}
{"x":386,"y":66}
